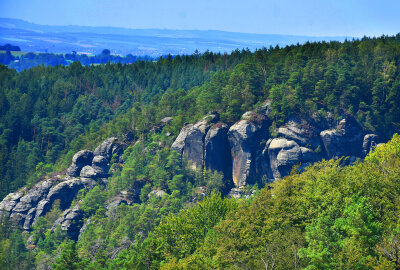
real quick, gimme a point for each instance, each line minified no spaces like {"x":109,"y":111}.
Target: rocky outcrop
{"x":98,"y":169}
{"x":369,"y":142}
{"x":109,"y":148}
{"x":27,"y":206}
{"x":71,"y":221}
{"x":283,"y":154}
{"x":217,"y":156}
{"x":244,"y":138}
{"x":191,"y":140}
{"x":345,"y":140}
{"x":304,"y":133}
{"x":98,"y":165}
{"x":80,"y":160}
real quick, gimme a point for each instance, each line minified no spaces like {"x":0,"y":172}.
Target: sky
{"x":294,"y":17}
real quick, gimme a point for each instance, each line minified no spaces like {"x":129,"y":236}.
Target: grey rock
{"x":190,"y":141}
{"x":179,"y":142}
{"x":217,"y":156}
{"x":238,"y":193}
{"x":369,"y":142}
{"x":80,"y":160}
{"x":65,"y":191}
{"x":70,"y":221}
{"x":346,"y":140}
{"x":301,"y":131}
{"x":92,"y":172}
{"x":109,"y":148}
{"x":283,"y":154}
{"x":10,"y":201}
{"x":245,"y":137}
{"x":308,"y":155}
{"x":28,"y":201}
{"x":157,"y":193}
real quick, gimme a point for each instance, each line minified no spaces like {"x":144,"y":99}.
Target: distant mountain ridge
{"x":153,"y":42}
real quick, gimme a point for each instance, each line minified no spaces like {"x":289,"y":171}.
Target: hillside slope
{"x":110,"y":154}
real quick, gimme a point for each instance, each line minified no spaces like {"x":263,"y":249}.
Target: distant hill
{"x":154,"y":42}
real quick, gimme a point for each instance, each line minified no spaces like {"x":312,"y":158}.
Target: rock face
{"x":80,"y":160}
{"x":346,"y":140}
{"x":369,"y":142}
{"x":25,"y":208}
{"x":109,"y":148}
{"x":303,"y":132}
{"x":70,"y":221}
{"x":217,"y":150}
{"x":190,"y":141}
{"x":283,"y":154}
{"x":244,"y":138}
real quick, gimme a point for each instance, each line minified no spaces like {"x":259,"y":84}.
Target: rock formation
{"x":245,"y":153}
{"x":283,"y":154}
{"x":191,"y":140}
{"x":217,"y":150}
{"x":71,"y":221}
{"x":345,"y":140}
{"x":25,"y":209}
{"x":26,"y":206}
{"x":369,"y":142}
{"x":245,"y":137}
{"x":80,"y":160}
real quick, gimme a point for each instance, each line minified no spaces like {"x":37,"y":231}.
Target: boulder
{"x":98,"y":169}
{"x":217,"y":156}
{"x":66,"y":192}
{"x":309,"y":156}
{"x":179,"y":142}
{"x":238,"y":193}
{"x":109,"y":148}
{"x":283,"y":154}
{"x":245,"y":137}
{"x":80,"y":160}
{"x":100,"y":163}
{"x":369,"y":142}
{"x":345,"y":140}
{"x":26,"y":207}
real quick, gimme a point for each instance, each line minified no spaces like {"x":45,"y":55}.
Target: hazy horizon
{"x":354,"y":18}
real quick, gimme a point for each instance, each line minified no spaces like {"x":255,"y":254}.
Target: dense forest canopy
{"x":326,"y":218}
{"x":49,"y":113}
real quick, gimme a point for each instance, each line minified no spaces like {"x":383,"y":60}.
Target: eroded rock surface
{"x":345,"y":140}
{"x":369,"y":142}
{"x":217,"y":150}
{"x":80,"y":160}
{"x":283,"y":154}
{"x":191,"y":140}
{"x":71,"y":221}
{"x":109,"y":148}
{"x":245,"y":137}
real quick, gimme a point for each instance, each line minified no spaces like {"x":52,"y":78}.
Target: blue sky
{"x":297,"y":17}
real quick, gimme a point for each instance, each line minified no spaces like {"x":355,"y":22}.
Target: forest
{"x":327,"y":217}
{"x":26,"y":60}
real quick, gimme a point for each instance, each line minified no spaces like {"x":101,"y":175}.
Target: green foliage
{"x":325,"y":218}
